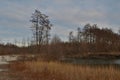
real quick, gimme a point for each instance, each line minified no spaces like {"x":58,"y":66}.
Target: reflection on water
{"x":92,"y":61}
{"x":117,"y":61}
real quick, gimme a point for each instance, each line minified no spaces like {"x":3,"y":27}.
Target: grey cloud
{"x":65,"y":14}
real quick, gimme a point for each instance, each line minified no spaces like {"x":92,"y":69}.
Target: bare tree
{"x":79,"y":35}
{"x":56,"y":39}
{"x":28,"y":41}
{"x":86,"y":33}
{"x":23,"y":43}
{"x":41,"y":27}
{"x":71,"y":37}
{"x":15,"y":42}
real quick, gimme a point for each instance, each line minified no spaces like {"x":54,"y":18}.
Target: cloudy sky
{"x":65,"y":15}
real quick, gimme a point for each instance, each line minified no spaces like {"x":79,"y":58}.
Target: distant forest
{"x":89,"y":40}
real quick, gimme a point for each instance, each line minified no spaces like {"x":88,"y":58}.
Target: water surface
{"x":93,"y":61}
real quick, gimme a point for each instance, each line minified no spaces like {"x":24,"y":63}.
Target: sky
{"x":65,"y":15}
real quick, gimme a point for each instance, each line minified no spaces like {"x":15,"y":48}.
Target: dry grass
{"x":59,"y":71}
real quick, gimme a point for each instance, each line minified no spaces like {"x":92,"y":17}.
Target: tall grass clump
{"x":41,"y":70}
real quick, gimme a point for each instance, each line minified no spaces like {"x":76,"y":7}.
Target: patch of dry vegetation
{"x":60,"y":71}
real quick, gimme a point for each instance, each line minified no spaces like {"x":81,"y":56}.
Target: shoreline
{"x":97,"y":56}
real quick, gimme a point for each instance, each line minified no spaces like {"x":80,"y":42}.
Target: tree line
{"x":96,"y":39}
{"x":91,"y":39}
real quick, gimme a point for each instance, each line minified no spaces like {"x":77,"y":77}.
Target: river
{"x":92,"y":61}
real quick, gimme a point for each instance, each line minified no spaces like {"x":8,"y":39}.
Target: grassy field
{"x":41,"y":70}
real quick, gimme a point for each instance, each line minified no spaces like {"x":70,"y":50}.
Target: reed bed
{"x":40,"y":70}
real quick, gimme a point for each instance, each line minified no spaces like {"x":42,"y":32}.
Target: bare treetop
{"x":41,"y":27}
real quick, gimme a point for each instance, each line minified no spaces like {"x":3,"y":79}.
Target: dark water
{"x":93,"y":61}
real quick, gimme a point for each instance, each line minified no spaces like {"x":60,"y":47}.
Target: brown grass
{"x":60,"y":71}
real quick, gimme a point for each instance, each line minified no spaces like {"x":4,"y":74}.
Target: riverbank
{"x":27,"y":68}
{"x":104,"y":55}
{"x":44,"y":56}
